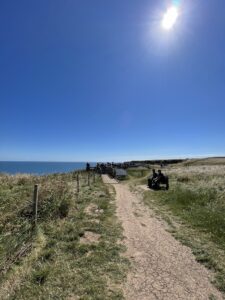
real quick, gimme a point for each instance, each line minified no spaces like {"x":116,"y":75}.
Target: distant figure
{"x":88,"y":167}
{"x":152,"y":180}
{"x":157,"y":178}
{"x":160,"y":177}
{"x":154,"y":174}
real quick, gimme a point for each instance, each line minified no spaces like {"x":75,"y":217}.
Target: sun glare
{"x":170,"y":18}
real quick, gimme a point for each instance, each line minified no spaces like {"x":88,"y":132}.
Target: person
{"x":88,"y":167}
{"x":160,"y":177}
{"x":152,"y":180}
{"x":156,"y":179}
{"x":154,"y":174}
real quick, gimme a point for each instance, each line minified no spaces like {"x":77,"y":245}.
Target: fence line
{"x":78,"y":183}
{"x":35,"y":204}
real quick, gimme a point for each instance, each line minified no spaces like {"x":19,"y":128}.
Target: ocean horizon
{"x":41,"y":167}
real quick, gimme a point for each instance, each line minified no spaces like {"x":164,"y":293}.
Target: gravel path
{"x":162,"y":267}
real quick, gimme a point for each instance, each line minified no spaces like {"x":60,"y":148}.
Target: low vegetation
{"x":194,"y":207}
{"x":75,"y":251}
{"x":137,"y":173}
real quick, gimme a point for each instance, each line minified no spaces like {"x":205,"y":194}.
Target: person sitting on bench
{"x":152,"y":180}
{"x":160,"y":177}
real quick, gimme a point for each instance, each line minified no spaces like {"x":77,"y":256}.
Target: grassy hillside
{"x":204,"y":162}
{"x":195,"y":209}
{"x":74,"y":253}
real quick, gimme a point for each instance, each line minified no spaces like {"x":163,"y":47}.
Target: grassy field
{"x":194,"y":207}
{"x":137,"y":173}
{"x":75,"y":251}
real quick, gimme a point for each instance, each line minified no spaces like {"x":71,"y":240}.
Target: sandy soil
{"x":162,"y":267}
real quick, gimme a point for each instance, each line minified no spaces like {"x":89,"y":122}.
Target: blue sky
{"x":101,"y":80}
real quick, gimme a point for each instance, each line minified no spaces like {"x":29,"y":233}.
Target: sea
{"x":40,"y":168}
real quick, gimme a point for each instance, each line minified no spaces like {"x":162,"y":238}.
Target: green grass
{"x":137,"y":175}
{"x":15,"y":229}
{"x":194,"y":208}
{"x":206,"y":216}
{"x":59,"y":266}
{"x":198,"y":208}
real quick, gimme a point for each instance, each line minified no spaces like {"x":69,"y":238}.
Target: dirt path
{"x":162,"y":267}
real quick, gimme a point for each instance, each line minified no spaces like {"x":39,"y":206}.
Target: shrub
{"x":64,"y":207}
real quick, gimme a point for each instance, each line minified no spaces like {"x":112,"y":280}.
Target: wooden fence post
{"x":78,"y":183}
{"x":35,"y":204}
{"x":94,"y":177}
{"x":88,"y":178}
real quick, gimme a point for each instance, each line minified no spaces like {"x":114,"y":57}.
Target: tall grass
{"x":199,"y":208}
{"x":197,"y":198}
{"x":60,"y":266}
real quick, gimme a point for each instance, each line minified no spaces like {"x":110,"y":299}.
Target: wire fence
{"x":41,"y":197}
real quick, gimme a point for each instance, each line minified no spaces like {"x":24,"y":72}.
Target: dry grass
{"x":205,"y":161}
{"x":60,"y":265}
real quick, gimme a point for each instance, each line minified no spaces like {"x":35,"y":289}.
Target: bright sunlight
{"x":170,"y":18}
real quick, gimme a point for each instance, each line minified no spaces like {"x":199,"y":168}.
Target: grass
{"x":59,"y":265}
{"x":198,"y":208}
{"x":205,"y":161}
{"x":137,"y":174}
{"x":194,"y":207}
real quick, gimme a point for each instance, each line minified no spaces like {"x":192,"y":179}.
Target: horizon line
{"x":104,"y":161}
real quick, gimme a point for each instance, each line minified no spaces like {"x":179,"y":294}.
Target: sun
{"x":170,"y":18}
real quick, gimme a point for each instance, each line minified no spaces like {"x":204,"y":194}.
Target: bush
{"x":22,"y":181}
{"x":64,"y":207}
